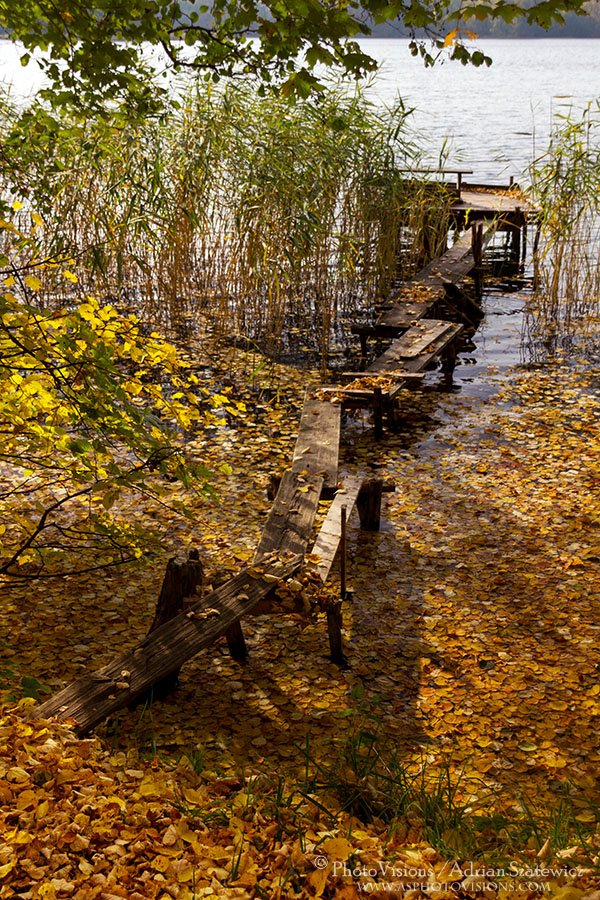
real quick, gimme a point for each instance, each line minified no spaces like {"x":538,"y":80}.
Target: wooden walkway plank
{"x":318,"y":443}
{"x":431,"y":339}
{"x":92,"y":698}
{"x":328,"y":539}
{"x":486,"y":202}
{"x":415,"y":298}
{"x":292,"y":515}
{"x":452,"y":266}
{"x":403,"y":314}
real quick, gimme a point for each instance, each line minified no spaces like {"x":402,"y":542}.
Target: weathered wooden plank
{"x":92,"y":698}
{"x":404,"y":314}
{"x":415,"y":298}
{"x":328,"y":539}
{"x":292,"y":515}
{"x":395,"y":356}
{"x":397,"y":374}
{"x":418,"y":338}
{"x":487,"y":202}
{"x":452,"y":266}
{"x":318,"y":443}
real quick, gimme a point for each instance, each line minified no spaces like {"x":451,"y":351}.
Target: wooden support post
{"x":391,"y":414}
{"x":180,"y":583}
{"x":334,"y":631}
{"x":535,"y":254}
{"x":378,"y":411}
{"x":524,"y":242}
{"x":515,"y":242}
{"x":237,"y":642}
{"x":369,"y":504}
{"x":477,"y":235}
{"x":343,"y":514}
{"x":449,"y":362}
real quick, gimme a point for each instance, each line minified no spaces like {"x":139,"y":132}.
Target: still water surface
{"x":497,"y":119}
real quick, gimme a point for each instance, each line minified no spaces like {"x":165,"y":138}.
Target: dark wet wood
{"x":90,"y":699}
{"x":182,"y":582}
{"x":369,"y":504}
{"x":236,"y":642}
{"x":417,"y":346}
{"x":334,"y":632}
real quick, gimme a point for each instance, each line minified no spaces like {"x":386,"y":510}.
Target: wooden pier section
{"x":419,"y":337}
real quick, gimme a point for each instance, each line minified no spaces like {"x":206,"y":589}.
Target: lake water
{"x":497,"y":119}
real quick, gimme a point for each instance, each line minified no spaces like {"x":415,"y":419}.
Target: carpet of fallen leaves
{"x":472,"y":638}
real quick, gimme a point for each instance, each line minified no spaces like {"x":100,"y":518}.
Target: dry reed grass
{"x":262,"y":216}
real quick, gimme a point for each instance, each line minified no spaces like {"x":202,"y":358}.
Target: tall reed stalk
{"x":264,"y":216}
{"x":566,"y":189}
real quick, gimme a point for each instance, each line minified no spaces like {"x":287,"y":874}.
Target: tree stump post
{"x":181,"y":581}
{"x":369,"y":504}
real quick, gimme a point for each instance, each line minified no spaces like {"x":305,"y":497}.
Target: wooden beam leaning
{"x":318,"y":443}
{"x":326,"y":547}
{"x":328,"y":539}
{"x":90,"y":699}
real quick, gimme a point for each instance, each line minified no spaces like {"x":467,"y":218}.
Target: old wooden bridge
{"x":418,"y":336}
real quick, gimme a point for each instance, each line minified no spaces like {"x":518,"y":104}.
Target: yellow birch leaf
{"x":33,"y":282}
{"x":42,"y":809}
{"x":4,"y":870}
{"x":587,"y":817}
{"x":17,"y":205}
{"x":70,"y":276}
{"x":161,"y":863}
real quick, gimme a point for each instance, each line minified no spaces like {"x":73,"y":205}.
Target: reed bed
{"x":266,"y":218}
{"x":566,"y":188}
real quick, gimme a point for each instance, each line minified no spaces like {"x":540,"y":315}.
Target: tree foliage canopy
{"x":92,"y":408}
{"x":95,"y":51}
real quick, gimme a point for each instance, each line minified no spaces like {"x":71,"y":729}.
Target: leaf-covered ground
{"x":472,"y":637}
